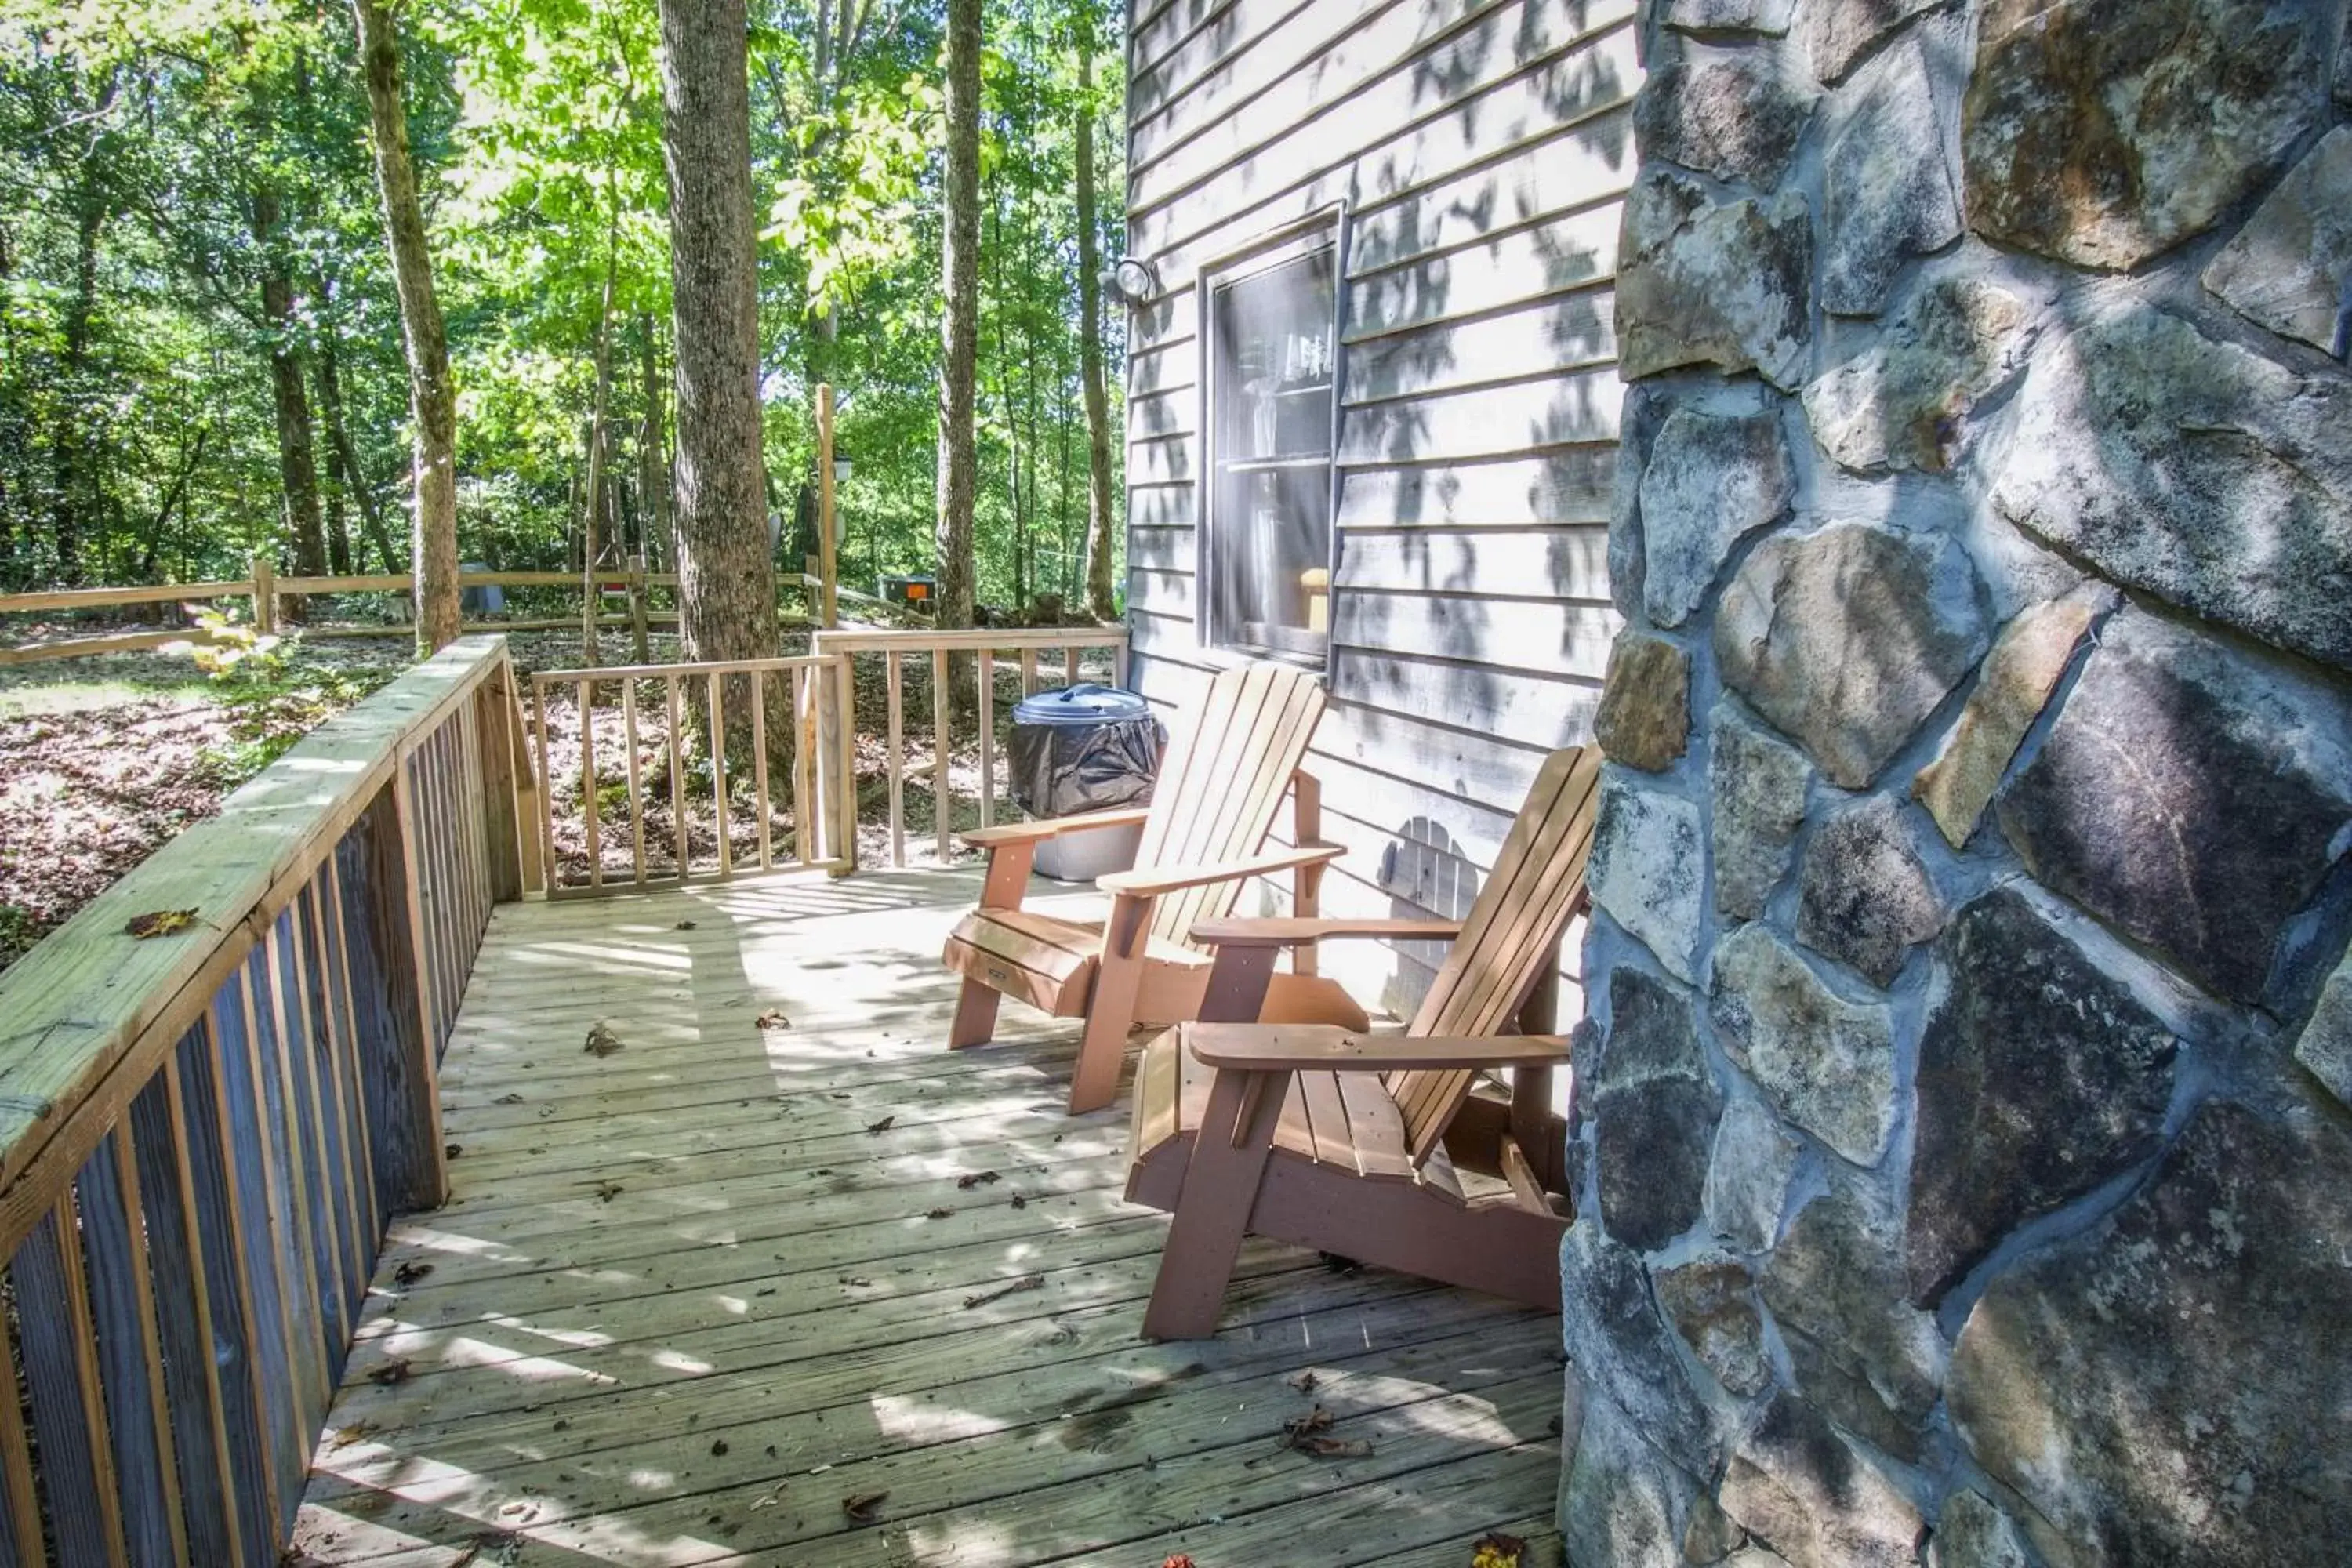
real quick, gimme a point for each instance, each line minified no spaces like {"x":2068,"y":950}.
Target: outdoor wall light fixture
{"x":1134,"y":279}
{"x":841,"y":471}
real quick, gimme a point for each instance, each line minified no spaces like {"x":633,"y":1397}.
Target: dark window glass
{"x":1270,"y":458}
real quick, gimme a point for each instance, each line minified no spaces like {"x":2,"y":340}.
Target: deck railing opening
{"x":204,"y":1129}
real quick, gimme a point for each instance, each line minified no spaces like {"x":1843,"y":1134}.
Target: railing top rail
{"x":967,"y":639}
{"x":72,"y":1008}
{"x":656,"y":671}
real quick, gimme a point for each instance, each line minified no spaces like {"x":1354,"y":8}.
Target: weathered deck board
{"x":683,"y":1302}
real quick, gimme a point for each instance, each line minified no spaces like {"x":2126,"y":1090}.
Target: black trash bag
{"x":1083,"y":748}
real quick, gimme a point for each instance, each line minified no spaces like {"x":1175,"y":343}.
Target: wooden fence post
{"x":265,"y":592}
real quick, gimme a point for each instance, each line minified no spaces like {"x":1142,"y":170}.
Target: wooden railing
{"x":203,"y":1131}
{"x":653,"y":764}
{"x":681,"y":830}
{"x":896,"y":646}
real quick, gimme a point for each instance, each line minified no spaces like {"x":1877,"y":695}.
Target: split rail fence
{"x":205,"y":1131}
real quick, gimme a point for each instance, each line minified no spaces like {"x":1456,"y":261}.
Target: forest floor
{"x":105,"y":759}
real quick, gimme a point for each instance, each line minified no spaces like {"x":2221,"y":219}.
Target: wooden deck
{"x":692,"y":1298}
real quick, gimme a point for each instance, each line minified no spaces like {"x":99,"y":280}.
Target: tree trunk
{"x":297,"y":463}
{"x":652,"y":462}
{"x":726,"y":573}
{"x":599,"y":434}
{"x":1099,"y":518}
{"x":432,"y":395}
{"x":343,"y":459}
{"x":69,"y":478}
{"x":960,"y":326}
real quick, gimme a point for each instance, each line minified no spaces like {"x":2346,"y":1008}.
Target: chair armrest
{"x":1288,"y":1047}
{"x":1292,"y":931}
{"x":1052,"y":827}
{"x":1148,"y":882}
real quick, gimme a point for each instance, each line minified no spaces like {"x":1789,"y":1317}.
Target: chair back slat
{"x":1513,"y":931}
{"x":1223,"y":783}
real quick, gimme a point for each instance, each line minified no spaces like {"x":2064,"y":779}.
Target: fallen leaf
{"x":1179,"y":1561}
{"x":1019,"y":1202}
{"x":936,"y":1214}
{"x":1026,"y":1282}
{"x":1306,"y":1434}
{"x":508,"y":1100}
{"x":451,"y":1150}
{"x":602,"y":1041}
{"x":882,"y":1126}
{"x":861,"y":1507}
{"x":719,"y":1448}
{"x":685,"y":925}
{"x":773,"y":1018}
{"x":358,"y":1431}
{"x":410,"y":1273}
{"x":608,"y":1191}
{"x":977,"y":1179}
{"x":1496,"y":1549}
{"x":161,"y":922}
{"x":1304,"y":1382}
{"x":390,"y":1373}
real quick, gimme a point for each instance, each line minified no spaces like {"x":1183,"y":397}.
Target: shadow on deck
{"x":819,"y":1292}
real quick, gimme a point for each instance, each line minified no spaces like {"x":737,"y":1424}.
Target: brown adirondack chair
{"x":1347,"y":1142}
{"x":1203,"y":835}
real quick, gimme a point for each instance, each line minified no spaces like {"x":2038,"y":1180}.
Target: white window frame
{"x":1324,"y":229}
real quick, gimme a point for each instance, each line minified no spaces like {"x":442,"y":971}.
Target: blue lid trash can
{"x":1078,"y":748}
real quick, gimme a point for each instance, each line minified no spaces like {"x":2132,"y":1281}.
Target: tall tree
{"x":1090,"y":334}
{"x":959,"y":460}
{"x":726,"y":576}
{"x":432,"y":394}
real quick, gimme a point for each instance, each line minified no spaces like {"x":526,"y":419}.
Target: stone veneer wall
{"x":1966,"y":1164}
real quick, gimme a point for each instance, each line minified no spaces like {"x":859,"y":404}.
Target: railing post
{"x":846,"y":729}
{"x":265,"y":592}
{"x":505,"y":830}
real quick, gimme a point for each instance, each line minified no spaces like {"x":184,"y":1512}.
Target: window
{"x":1272,"y":329}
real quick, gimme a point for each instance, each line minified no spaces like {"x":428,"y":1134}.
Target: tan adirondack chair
{"x":1204,"y":834}
{"x":1346,"y":1141}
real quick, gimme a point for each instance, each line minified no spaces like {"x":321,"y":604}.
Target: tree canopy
{"x":192,"y":253}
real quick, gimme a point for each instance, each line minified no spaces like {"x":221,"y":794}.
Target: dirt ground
{"x":104,"y":760}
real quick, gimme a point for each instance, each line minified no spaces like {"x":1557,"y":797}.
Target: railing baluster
{"x":22,"y":1545}
{"x":200,"y":1107}
{"x":803,"y":763}
{"x":678,"y":782}
{"x":986,"y":667}
{"x":360,"y":1152}
{"x":896,"y":763}
{"x":1070,"y":666}
{"x":718,"y":772}
{"x":61,"y":1373}
{"x":546,"y":788}
{"x":637,"y":792}
{"x":191,"y":1368}
{"x":942,"y":803}
{"x":760,"y":768}
{"x":588,"y":781}
{"x":1028,"y":671}
{"x":317,"y":1142}
{"x":130,"y":1351}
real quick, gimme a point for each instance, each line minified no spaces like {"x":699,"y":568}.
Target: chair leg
{"x":1110,"y":1011}
{"x":975,"y":1016}
{"x":1204,"y":1235}
{"x":1103,"y":1047}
